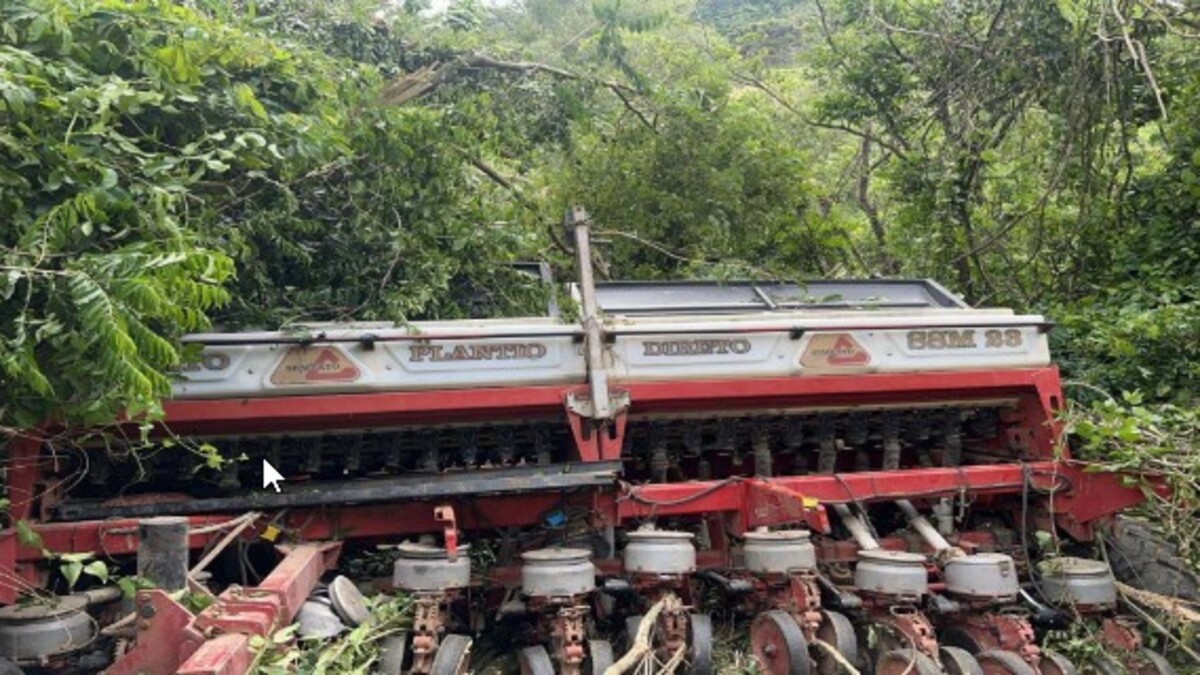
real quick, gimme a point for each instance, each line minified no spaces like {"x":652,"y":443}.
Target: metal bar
{"x":107,"y":537}
{"x":297,"y":575}
{"x":234,"y":340}
{"x":594,"y":330}
{"x":665,"y":499}
{"x":856,"y":527}
{"x":923,"y":526}
{"x":764,"y":297}
{"x":217,"y":641}
{"x":499,"y":481}
{"x":334,"y":411}
{"x":367,"y":337}
{"x":322,"y":412}
{"x":833,"y":390}
{"x":799,"y":328}
{"x":222,"y":655}
{"x":119,"y":537}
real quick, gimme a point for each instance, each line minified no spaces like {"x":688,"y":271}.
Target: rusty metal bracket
{"x":445,"y":513}
{"x":217,"y":641}
{"x":166,"y":636}
{"x":769,"y":503}
{"x":597,"y":439}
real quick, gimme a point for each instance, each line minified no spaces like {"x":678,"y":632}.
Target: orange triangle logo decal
{"x":315,"y":365}
{"x":834,"y":350}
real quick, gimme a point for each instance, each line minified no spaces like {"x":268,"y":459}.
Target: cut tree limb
{"x":641,"y":643}
{"x":425,"y":81}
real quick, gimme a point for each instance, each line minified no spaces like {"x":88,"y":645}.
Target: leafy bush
{"x":160,"y":167}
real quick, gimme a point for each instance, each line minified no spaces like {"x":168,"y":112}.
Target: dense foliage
{"x":169,"y":166}
{"x":163,"y":167}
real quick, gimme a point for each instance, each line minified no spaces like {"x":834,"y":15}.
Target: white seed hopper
{"x":652,"y":331}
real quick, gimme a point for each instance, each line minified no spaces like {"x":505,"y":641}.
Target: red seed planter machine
{"x":856,"y":466}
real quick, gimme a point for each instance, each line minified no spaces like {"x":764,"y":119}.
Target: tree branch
{"x":421,"y":83}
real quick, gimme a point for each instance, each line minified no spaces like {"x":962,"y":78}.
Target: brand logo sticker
{"x":834,"y":350}
{"x":315,"y":365}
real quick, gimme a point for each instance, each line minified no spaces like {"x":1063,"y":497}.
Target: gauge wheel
{"x":600,"y":656}
{"x":961,"y":638}
{"x":700,"y":643}
{"x":906,"y":662}
{"x":958,"y":661}
{"x":1001,"y":662}
{"x":392,"y":654}
{"x":1153,"y":663}
{"x":778,"y":644}
{"x":837,"y":632}
{"x":535,"y":661}
{"x":1105,"y":665}
{"x":631,"y":629}
{"x":453,"y":656}
{"x":1054,"y":663}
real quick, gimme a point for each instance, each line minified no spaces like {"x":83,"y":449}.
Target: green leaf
{"x":246,"y":98}
{"x":97,"y":569}
{"x":27,"y":536}
{"x":71,"y":571}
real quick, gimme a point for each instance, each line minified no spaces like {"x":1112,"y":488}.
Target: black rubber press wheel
{"x":392,"y":655}
{"x":700,"y":644}
{"x":600,"y":656}
{"x":778,"y":644}
{"x":1001,"y":662}
{"x":453,"y":656}
{"x":535,"y":661}
{"x":906,"y":662}
{"x":958,"y":661}
{"x":837,"y":631}
{"x":1054,"y":663}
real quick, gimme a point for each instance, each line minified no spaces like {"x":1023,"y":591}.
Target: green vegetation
{"x":166,"y":167}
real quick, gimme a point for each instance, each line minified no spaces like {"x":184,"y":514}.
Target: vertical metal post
{"x":579,"y":222}
{"x":162,"y":556}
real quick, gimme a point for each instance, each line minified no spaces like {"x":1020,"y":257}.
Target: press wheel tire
{"x":535,"y":661}
{"x":1153,"y":663}
{"x":392,"y":653}
{"x":906,"y":662}
{"x":1001,"y":662}
{"x":600,"y":656}
{"x":836,"y":631}
{"x":1054,"y":663}
{"x":1143,"y":559}
{"x":631,"y":628}
{"x":961,"y":638}
{"x":453,"y":656}
{"x":700,"y":642}
{"x":958,"y":661}
{"x":1105,"y":665}
{"x":778,"y":644}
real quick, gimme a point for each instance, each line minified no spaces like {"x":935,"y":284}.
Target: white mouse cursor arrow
{"x":271,"y":476}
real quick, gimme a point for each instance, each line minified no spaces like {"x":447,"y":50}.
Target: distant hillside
{"x":776,"y":30}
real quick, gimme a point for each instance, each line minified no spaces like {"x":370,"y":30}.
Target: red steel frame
{"x":747,"y":503}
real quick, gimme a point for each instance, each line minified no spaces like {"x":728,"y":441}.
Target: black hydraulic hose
{"x":836,"y":598}
{"x":1045,"y":616}
{"x":731,"y":586}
